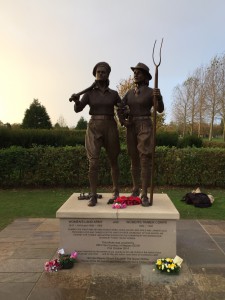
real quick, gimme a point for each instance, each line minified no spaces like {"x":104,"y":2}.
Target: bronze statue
{"x":135,"y":114}
{"x":102,"y":129}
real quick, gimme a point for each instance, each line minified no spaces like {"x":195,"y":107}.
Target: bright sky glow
{"x":49,"y":47}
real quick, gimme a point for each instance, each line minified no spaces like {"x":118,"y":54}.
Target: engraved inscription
{"x":133,"y":240}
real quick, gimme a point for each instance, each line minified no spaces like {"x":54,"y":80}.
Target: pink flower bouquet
{"x":64,"y":261}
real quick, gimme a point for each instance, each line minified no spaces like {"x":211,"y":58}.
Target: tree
{"x":16,"y":126}
{"x":160,"y":121}
{"x":61,"y":123}
{"x":36,"y":117}
{"x":181,"y":106}
{"x":81,"y":124}
{"x":125,"y":85}
{"x":213,"y":92}
{"x":8,"y":125}
{"x":222,"y":96}
{"x":201,"y":101}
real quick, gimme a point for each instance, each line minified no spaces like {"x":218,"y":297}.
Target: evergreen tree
{"x":36,"y":117}
{"x":81,"y":124}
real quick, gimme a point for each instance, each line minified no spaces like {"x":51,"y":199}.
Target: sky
{"x":48,"y":48}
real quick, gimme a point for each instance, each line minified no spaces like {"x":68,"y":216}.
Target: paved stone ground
{"x":26,"y":244}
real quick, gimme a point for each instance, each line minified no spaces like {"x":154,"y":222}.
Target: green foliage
{"x":36,"y":117}
{"x":190,"y":141}
{"x":30,"y":203}
{"x":81,"y":124}
{"x":160,"y":121}
{"x":164,"y":138}
{"x":190,"y":167}
{"x":122,"y":135}
{"x":68,"y":167}
{"x":43,"y":137}
{"x":215,"y":212}
{"x":213,"y":144}
{"x":62,"y":137}
{"x":43,"y":166}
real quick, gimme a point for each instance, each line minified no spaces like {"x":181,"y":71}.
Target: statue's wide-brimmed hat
{"x":102,"y":64}
{"x":144,"y":68}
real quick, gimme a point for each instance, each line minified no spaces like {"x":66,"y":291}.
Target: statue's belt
{"x":102,"y":117}
{"x":139,"y":118}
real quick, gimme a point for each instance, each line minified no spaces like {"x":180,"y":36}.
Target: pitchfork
{"x":154,"y":121}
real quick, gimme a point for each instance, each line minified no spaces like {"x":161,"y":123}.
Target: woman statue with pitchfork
{"x":139,"y":102}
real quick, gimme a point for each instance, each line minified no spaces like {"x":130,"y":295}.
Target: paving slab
{"x":24,"y":252}
{"x":200,"y":243}
{"x":58,"y":293}
{"x":49,"y":225}
{"x":196,"y":246}
{"x":111,"y":288}
{"x":22,"y":265}
{"x":19,"y":277}
{"x":15,"y":291}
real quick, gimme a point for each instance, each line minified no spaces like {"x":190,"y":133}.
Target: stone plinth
{"x":103,"y":234}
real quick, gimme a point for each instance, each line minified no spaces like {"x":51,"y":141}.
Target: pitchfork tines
{"x":157,"y":65}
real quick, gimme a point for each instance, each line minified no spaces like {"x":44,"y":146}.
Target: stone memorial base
{"x":134,"y":234}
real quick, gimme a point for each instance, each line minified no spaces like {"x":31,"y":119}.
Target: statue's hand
{"x":156,"y":92}
{"x":74,"y":98}
{"x":126,"y":123}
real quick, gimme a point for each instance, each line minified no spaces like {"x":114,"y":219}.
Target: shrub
{"x":212,"y":144}
{"x":68,"y":167}
{"x":27,"y":138}
{"x":164,"y":138}
{"x":190,"y":141}
{"x":42,"y":137}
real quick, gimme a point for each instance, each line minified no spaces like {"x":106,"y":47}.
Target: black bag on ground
{"x":197,"y":199}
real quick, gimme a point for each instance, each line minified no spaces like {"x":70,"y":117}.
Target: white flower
{"x":61,"y":251}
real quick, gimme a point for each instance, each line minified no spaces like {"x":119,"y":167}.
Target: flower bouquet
{"x":64,"y":261}
{"x":52,"y":265}
{"x":169,"y":265}
{"x":123,"y":201}
{"x":119,"y":205}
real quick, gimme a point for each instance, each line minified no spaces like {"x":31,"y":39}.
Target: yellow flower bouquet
{"x":169,"y":265}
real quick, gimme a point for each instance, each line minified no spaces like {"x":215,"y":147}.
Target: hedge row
{"x":68,"y":167}
{"x":27,"y":138}
{"x":212,"y":144}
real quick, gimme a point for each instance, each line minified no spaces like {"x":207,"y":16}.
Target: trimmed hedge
{"x":191,"y":167}
{"x":27,"y":138}
{"x":68,"y":167}
{"x":190,"y":141}
{"x":212,"y":144}
{"x":165,"y":138}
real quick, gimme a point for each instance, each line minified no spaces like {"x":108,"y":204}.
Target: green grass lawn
{"x":43,"y":203}
{"x":215,"y":212}
{"x":24,"y":203}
